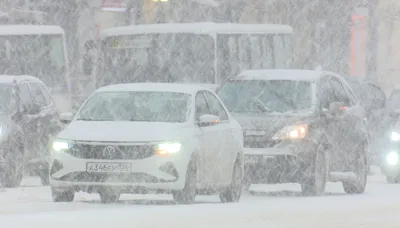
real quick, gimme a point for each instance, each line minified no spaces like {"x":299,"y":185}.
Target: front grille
{"x":258,"y":142}
{"x":112,"y":178}
{"x":112,"y":152}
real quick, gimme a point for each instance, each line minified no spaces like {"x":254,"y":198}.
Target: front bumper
{"x":168,"y":173}
{"x":280,"y":164}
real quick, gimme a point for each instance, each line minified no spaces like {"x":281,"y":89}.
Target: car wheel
{"x":234,"y":191}
{"x":61,"y":195}
{"x":393,"y":180}
{"x":360,"y":168}
{"x":314,"y":181}
{"x":188,"y":194}
{"x":14,"y":171}
{"x":109,"y":196}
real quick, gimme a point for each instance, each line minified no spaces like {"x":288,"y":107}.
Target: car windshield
{"x":136,"y":106}
{"x":6,"y":98}
{"x":266,"y":95}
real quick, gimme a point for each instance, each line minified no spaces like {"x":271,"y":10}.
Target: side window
{"x":37,"y":94}
{"x":326,"y":95}
{"x":46,"y":94}
{"x":25,"y":96}
{"x":216,"y":107}
{"x":201,"y":105}
{"x":339,"y":91}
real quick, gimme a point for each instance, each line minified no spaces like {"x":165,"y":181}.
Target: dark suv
{"x":299,"y":126}
{"x":29,"y":119}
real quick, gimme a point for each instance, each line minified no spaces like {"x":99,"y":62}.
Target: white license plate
{"x":108,"y":167}
{"x":252,"y":159}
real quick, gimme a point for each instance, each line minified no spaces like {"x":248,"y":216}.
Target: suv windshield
{"x":6,"y":97}
{"x":244,"y":96}
{"x":136,"y":106}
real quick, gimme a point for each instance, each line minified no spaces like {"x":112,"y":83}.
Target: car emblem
{"x":109,"y":152}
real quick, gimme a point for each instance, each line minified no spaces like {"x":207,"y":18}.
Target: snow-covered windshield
{"x":136,"y":106}
{"x":171,"y":57}
{"x":253,"y":96}
{"x":41,"y":56}
{"x":6,"y":97}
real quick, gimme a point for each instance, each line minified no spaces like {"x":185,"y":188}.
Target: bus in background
{"x":201,"y":53}
{"x":39,"y":51}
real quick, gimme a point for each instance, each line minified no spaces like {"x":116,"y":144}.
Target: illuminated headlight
{"x":164,"y":149}
{"x":61,"y":145}
{"x":292,"y":132}
{"x":395,"y":136}
{"x":392,"y":158}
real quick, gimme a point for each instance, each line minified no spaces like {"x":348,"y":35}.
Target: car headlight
{"x":392,"y":158}
{"x":395,"y":136}
{"x":165,"y":149}
{"x":60,"y":145}
{"x":291,"y":132}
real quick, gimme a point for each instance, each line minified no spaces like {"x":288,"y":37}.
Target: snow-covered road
{"x":273,"y":206}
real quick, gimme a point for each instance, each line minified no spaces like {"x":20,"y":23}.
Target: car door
{"x":350,"y":123}
{"x":329,"y":123}
{"x":207,"y":141}
{"x":225,"y":150}
{"x":29,"y":123}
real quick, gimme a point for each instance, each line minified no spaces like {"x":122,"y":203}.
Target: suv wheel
{"x":62,"y":195}
{"x":188,"y":194}
{"x":234,"y":191}
{"x":314,"y":182}
{"x":393,"y":180}
{"x":360,"y":168}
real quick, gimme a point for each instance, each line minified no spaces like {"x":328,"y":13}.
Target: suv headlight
{"x":292,"y":132}
{"x":60,"y":145}
{"x":394,"y":136}
{"x":167,"y":148}
{"x":392,"y":158}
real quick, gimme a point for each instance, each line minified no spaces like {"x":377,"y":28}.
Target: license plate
{"x":252,"y":159}
{"x":105,"y":167}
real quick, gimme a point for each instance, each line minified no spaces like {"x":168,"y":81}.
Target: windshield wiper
{"x":92,"y":119}
{"x":260,"y":105}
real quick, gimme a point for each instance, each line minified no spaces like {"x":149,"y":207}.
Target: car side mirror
{"x":66,"y":117}
{"x":337,"y":108}
{"x":208,"y":120}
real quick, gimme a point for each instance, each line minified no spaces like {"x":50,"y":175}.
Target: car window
{"x":326,"y":93}
{"x":46,"y":94}
{"x":215,"y":105}
{"x":25,"y":96}
{"x":339,"y":91}
{"x":201,"y":105}
{"x":38,"y":96}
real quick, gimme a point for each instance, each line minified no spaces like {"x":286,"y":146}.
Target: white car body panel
{"x":216,"y":147}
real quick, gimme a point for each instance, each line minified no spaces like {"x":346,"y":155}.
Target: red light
{"x":343,"y":108}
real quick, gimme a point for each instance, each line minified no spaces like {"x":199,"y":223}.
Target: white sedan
{"x":134,"y":138}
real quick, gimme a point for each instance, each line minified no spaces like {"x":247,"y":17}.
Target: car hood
{"x":106,"y":131}
{"x":268,"y":123}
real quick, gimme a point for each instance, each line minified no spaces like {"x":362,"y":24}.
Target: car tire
{"x":393,"y":180}
{"x":14,"y":171}
{"x":60,"y":195}
{"x":314,"y":181}
{"x":234,"y":191}
{"x":361,"y":170}
{"x":188,"y":194}
{"x":109,"y":196}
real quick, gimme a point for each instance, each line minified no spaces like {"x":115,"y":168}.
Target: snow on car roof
{"x":154,"y":87}
{"x":197,"y":28}
{"x":29,"y":29}
{"x":301,"y":75}
{"x":8,"y":79}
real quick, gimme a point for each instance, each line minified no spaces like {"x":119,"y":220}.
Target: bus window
{"x":256,"y":52}
{"x":280,"y":57}
{"x":268,"y":52}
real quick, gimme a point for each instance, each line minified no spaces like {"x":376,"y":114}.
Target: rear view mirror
{"x":208,"y":120}
{"x":66,"y":117}
{"x":336,"y":108}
